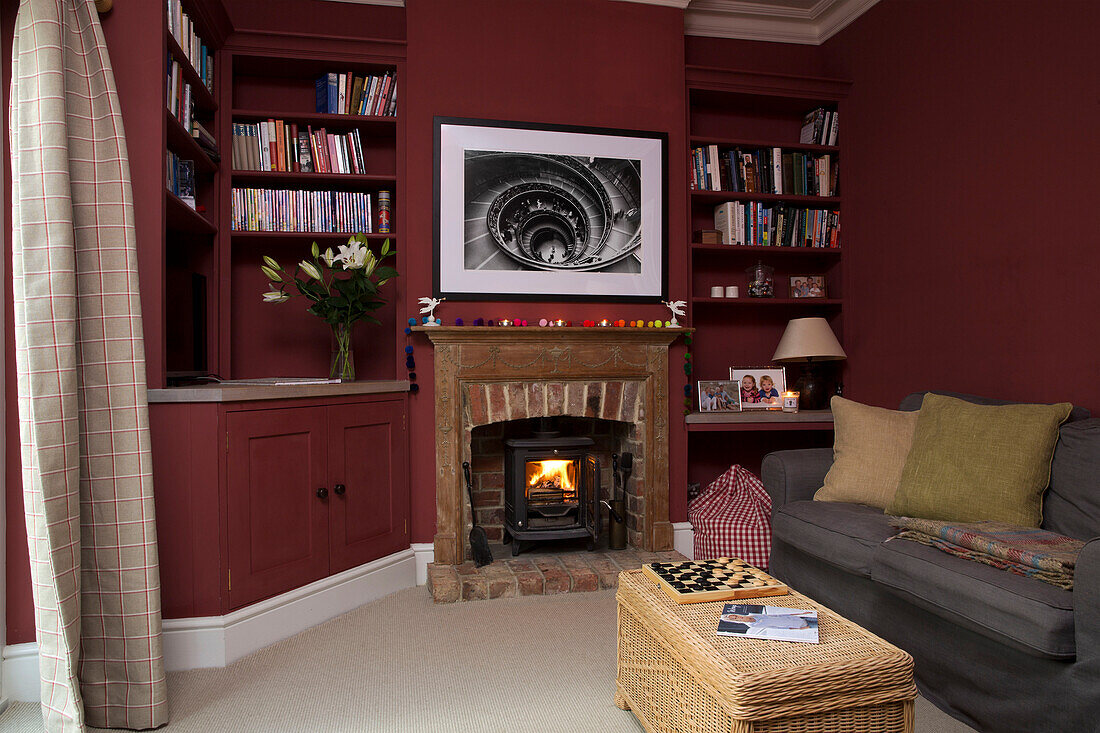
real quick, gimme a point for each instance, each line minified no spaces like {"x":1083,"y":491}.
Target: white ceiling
{"x":783,"y":21}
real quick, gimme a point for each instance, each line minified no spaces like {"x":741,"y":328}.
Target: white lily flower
{"x":354,"y":255}
{"x":276,"y":296}
{"x":310,"y":269}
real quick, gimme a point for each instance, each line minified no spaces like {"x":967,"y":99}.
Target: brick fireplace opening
{"x":488,"y":451}
{"x":494,"y":376}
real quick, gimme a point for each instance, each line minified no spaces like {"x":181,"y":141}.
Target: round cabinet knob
{"x":322,"y":493}
{"x":339,"y":489}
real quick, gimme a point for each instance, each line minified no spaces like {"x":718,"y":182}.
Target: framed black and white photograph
{"x":718,"y":395}
{"x":760,"y":388}
{"x":549,"y":212}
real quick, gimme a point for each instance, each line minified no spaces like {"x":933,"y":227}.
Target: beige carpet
{"x":543,"y":663}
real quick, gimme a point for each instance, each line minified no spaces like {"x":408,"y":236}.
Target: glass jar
{"x":761,"y":280}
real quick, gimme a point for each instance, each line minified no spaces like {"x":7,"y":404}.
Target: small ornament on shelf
{"x":430,"y":304}
{"x":677,"y":308}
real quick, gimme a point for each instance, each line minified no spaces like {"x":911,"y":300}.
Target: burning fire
{"x":551,"y":480}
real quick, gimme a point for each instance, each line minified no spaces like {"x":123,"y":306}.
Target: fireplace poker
{"x":479,"y":543}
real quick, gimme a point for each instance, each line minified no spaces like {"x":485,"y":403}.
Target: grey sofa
{"x":998,"y":651}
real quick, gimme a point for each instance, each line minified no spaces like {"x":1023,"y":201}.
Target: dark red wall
{"x":579,"y":62}
{"x":970,"y":180}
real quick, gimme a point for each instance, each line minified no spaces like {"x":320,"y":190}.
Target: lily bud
{"x":270,"y":262}
{"x":310,"y":269}
{"x":315,"y":250}
{"x":271,"y":274}
{"x":276,"y":296}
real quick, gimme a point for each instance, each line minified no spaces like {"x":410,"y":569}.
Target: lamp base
{"x":813,"y":393}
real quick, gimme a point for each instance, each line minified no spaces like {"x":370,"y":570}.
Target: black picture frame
{"x":523,"y":234}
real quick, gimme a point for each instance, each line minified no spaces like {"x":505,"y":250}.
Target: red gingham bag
{"x":732,"y":518}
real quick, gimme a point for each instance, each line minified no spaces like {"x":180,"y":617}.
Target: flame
{"x":556,"y":472}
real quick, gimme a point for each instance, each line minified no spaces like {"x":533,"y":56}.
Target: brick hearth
{"x":537,"y":574}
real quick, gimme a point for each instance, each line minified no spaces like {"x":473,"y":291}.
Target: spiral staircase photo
{"x":530,"y":211}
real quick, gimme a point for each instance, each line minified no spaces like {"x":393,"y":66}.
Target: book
{"x":768,"y":622}
{"x":304,"y":156}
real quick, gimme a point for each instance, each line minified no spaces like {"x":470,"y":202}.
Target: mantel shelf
{"x":528,"y":334}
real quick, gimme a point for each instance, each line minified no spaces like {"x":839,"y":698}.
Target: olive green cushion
{"x":973,"y":462}
{"x":869,"y":451}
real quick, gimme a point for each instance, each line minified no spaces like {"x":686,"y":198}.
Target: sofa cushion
{"x":973,"y":462}
{"x":1072,"y":504}
{"x":842,"y":534}
{"x":912,"y":402}
{"x":869,"y":452}
{"x":1029,"y":614}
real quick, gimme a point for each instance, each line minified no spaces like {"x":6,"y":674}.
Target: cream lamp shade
{"x":808,"y":339}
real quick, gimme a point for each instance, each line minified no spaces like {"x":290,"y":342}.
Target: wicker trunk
{"x":679,"y":676}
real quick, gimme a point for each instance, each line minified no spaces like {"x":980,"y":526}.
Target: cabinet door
{"x":368,"y":458}
{"x":278,"y":525}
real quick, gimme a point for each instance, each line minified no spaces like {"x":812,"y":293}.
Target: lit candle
{"x":790,"y":402}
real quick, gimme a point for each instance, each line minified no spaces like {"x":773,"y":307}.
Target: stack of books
{"x":180,"y":101}
{"x":267,"y":210}
{"x":276,"y":145}
{"x":181,"y":28}
{"x":764,"y":170}
{"x":760,"y":224}
{"x":181,"y":178}
{"x":349,"y":94}
{"x":820,"y":127}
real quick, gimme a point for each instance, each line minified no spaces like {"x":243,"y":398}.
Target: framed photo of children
{"x":807,"y":286}
{"x":718,"y":395}
{"x":760,"y":388}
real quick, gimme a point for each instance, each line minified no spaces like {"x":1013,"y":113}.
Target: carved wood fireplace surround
{"x":485,"y":375}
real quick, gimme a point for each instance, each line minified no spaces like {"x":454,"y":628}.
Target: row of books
{"x":197,"y":52}
{"x":180,"y":178}
{"x":268,"y":210}
{"x":205,"y":140}
{"x":764,"y":170}
{"x":276,"y":145}
{"x":181,"y":103}
{"x":760,"y":224}
{"x":349,"y":94}
{"x":820,"y":127}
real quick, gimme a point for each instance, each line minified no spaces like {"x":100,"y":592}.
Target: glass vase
{"x":343,"y":357}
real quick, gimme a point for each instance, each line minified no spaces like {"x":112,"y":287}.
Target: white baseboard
{"x":215,"y":641}
{"x":21,"y":678}
{"x":425,"y":556}
{"x":683,"y":539}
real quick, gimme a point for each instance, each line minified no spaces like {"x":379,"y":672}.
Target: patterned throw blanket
{"x":1030,"y":551}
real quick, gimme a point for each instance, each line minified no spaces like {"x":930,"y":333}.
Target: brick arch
{"x":610,"y":399}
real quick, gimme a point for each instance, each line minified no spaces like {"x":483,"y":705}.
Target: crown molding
{"x":763,"y":22}
{"x":741,"y":19}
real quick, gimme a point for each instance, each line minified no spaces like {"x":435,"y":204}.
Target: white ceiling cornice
{"x":762,"y":21}
{"x":780,"y":21}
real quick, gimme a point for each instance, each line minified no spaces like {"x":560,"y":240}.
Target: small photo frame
{"x":718,"y":395}
{"x":759,"y":388}
{"x":807,"y":286}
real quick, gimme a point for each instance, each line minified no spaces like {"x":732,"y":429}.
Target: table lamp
{"x":810,"y":341}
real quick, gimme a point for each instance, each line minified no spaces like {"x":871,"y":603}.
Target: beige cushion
{"x":973,"y":462}
{"x":869,"y":452}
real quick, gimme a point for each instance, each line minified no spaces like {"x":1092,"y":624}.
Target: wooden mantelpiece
{"x":522,"y":372}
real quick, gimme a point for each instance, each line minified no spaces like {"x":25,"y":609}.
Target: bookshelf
{"x":186,"y":335}
{"x":753,"y":111}
{"x":273,"y":78}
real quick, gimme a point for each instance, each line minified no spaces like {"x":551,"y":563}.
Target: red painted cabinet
{"x":312,"y":491}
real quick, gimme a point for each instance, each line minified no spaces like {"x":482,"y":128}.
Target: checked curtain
{"x":83,"y":421}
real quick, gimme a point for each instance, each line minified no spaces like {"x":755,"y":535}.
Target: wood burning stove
{"x":551,"y":489}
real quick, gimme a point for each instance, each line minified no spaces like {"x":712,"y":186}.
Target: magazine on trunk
{"x":768,"y":622}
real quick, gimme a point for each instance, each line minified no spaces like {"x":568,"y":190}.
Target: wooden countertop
{"x":243,"y":391}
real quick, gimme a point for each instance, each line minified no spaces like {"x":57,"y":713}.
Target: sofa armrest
{"x":794,"y":475}
{"x":1086,"y":602}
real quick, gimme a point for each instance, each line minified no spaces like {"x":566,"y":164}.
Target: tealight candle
{"x":732,"y":291}
{"x":559,"y":322}
{"x":605,"y":322}
{"x":717,"y":292}
{"x":504,"y":322}
{"x":790,"y":402}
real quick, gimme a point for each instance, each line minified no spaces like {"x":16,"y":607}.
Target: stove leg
{"x":591,"y":545}
{"x":507,"y":538}
{"x":515,"y":547}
